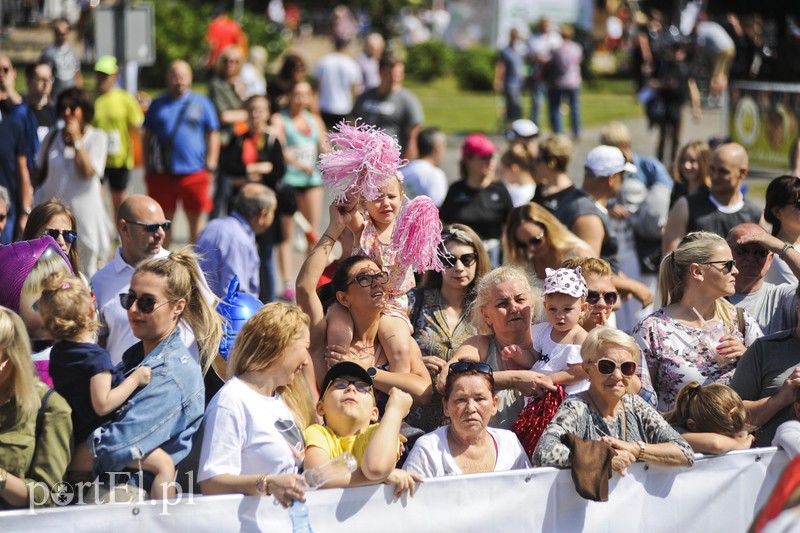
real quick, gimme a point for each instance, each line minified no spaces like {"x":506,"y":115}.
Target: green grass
{"x":457,"y":111}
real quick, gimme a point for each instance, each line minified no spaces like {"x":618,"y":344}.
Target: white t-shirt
{"x":248,"y":433}
{"x":431,"y":457}
{"x":338,"y":74}
{"x":555,"y":357}
{"x":422,"y":178}
{"x":521,"y":193}
{"x":787,"y":436}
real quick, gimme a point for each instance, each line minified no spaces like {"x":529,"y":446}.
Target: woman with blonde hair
{"x":253,"y":442}
{"x":711,"y":418}
{"x":164,"y":301}
{"x":32,"y":459}
{"x":536,"y":240}
{"x":697,"y":335}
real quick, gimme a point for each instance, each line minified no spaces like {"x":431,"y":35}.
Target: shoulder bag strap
{"x":174,"y":132}
{"x":40,"y":414}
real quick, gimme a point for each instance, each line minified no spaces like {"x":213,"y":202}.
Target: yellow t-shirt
{"x":116,"y":112}
{"x":324,"y":438}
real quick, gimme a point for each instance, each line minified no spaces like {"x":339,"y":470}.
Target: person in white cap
{"x":526,"y":133}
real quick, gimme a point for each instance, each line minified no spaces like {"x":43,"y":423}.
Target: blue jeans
{"x":537,"y":100}
{"x":554,"y":103}
{"x":164,"y":414}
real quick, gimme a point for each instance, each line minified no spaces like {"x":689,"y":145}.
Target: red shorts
{"x":193,"y":190}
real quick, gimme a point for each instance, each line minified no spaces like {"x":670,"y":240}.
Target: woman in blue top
{"x":303,"y":136}
{"x":164,"y":300}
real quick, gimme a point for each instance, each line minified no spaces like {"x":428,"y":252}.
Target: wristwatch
{"x":3,"y":478}
{"x":79,"y":143}
{"x":262,"y":485}
{"x":641,"y":444}
{"x":372,"y":371}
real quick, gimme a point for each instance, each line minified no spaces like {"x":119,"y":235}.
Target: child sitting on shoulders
{"x":372,"y":232}
{"x":557,"y":342}
{"x":711,"y":418}
{"x":83,"y":374}
{"x":348,"y":408}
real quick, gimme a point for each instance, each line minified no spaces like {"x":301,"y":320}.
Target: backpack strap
{"x":40,"y":414}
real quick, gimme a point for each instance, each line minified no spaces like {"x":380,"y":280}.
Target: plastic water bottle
{"x":315,"y":478}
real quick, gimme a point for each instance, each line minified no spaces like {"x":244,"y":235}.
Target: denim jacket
{"x":164,"y":414}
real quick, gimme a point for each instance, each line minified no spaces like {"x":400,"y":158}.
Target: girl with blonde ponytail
{"x":679,"y":341}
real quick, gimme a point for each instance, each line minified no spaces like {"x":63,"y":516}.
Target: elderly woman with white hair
{"x":607,"y":412}
{"x":502,"y":310}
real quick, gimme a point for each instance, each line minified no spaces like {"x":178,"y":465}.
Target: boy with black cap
{"x":347,"y":406}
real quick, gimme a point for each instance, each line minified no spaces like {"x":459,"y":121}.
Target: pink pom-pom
{"x":363,"y":159}
{"x":417,"y":235}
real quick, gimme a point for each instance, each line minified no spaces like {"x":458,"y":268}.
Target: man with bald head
{"x":773,"y":306}
{"x":181,"y":148}
{"x":720,"y":208}
{"x":142,"y":229}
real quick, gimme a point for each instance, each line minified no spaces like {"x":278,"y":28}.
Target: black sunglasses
{"x":460,"y":367}
{"x":69,"y":234}
{"x":607,"y":367}
{"x":728,"y":264}
{"x":3,"y":217}
{"x":342,"y":383}
{"x":366,"y":280}
{"x":152,"y":228}
{"x":749,"y":250}
{"x":610,"y":298}
{"x":467,"y":260}
{"x":146,"y":304}
{"x":534,"y":241}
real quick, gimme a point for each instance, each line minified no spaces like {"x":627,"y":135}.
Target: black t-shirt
{"x":559,"y":203}
{"x":483,"y":210}
{"x":72,"y":367}
{"x":12,"y":145}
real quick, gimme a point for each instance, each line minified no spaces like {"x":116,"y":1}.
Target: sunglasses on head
{"x":342,"y":383}
{"x":366,"y":280}
{"x":610,"y":298}
{"x":460,"y":367}
{"x":727,"y":264}
{"x":152,"y":228}
{"x":68,"y":234}
{"x":146,"y":303}
{"x":467,"y":260}
{"x":607,"y":367}
{"x":749,"y":250}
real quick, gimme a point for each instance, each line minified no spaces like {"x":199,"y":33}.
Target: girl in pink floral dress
{"x":694,"y":281}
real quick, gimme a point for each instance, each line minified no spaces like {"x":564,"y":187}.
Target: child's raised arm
{"x":520,"y":356}
{"x":382,"y":451}
{"x":105,"y":399}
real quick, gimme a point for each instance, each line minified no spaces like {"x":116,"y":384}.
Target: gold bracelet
{"x":262,"y":485}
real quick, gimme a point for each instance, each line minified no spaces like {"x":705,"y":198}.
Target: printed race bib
{"x":114,"y":142}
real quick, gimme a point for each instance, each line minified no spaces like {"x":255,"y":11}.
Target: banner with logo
{"x":717,"y":494}
{"x":764,"y":117}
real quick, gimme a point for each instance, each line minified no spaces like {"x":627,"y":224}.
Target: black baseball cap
{"x":345,"y":368}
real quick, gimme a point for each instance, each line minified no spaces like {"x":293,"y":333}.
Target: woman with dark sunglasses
{"x":359,"y":285}
{"x":69,"y":166}
{"x":536,"y":240}
{"x":166,"y":303}
{"x":56,"y":219}
{"x":439,"y":311}
{"x":694,"y":281}
{"x":468,"y":445}
{"x":782,"y":210}
{"x":608,"y":413}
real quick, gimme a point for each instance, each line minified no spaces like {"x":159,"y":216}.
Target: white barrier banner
{"x":717,"y":494}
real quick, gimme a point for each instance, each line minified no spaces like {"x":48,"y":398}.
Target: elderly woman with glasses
{"x":697,"y":335}
{"x":608,"y":413}
{"x":439,"y":311}
{"x":467,"y":445}
{"x":358,"y":285}
{"x":536,"y":240}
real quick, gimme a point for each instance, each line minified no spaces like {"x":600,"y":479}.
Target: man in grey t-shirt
{"x":773,"y":306}
{"x":62,"y":59}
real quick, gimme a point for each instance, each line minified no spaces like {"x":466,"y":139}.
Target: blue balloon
{"x":236,"y":309}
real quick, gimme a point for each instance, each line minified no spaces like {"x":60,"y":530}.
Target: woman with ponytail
{"x":711,"y":418}
{"x":165,"y":298}
{"x":696,"y":335}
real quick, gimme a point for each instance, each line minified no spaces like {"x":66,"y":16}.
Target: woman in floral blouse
{"x":694,"y":281}
{"x":438,"y":311}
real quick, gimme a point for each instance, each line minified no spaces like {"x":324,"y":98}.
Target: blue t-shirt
{"x":72,"y":366}
{"x":199,"y":119}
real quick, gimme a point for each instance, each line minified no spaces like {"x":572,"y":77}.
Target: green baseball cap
{"x":107,"y":65}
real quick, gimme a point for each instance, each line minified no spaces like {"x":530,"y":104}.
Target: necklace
{"x":622,"y":427}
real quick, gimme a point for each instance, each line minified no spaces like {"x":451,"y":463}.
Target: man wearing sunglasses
{"x":142,"y":227}
{"x":773,"y":306}
{"x":227,"y":245}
